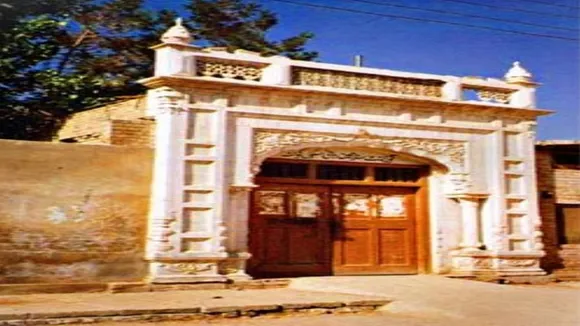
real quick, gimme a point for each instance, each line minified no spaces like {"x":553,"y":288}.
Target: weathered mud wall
{"x":72,"y":213}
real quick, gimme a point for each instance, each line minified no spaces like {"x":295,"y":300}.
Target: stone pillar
{"x":452,"y":91}
{"x":168,"y":112}
{"x":470,"y":222}
{"x":239,"y":201}
{"x":234,"y":267}
{"x":278,"y":73}
{"x":186,"y":228}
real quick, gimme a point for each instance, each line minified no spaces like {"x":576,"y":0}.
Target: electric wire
{"x":453,"y":13}
{"x":546,"y":3}
{"x":426,"y":20}
{"x":512,"y":9}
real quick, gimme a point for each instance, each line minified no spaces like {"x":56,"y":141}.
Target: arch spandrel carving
{"x":268,"y":143}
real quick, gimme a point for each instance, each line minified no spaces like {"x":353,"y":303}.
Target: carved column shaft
{"x":470,"y":223}
{"x":168,"y":114}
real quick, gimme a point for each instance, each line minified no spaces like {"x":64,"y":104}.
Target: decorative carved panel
{"x":367,"y":82}
{"x":306,"y":205}
{"x":271,"y":202}
{"x":229,"y":69}
{"x":269,"y":143}
{"x":324,"y":154}
{"x":358,"y":204}
{"x":496,"y":95}
{"x":391,"y":206}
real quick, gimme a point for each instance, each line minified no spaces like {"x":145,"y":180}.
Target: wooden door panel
{"x":274,"y":253}
{"x":356,"y":248}
{"x":394,"y":247}
{"x":302,"y":244}
{"x":375,"y":231}
{"x":289,"y":231}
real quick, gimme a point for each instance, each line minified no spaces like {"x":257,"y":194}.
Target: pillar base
{"x":496,"y":263}
{"x":182,"y":271}
{"x":234,"y":267}
{"x":230,"y":267}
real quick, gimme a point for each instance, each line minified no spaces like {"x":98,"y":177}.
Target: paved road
{"x":433,"y":300}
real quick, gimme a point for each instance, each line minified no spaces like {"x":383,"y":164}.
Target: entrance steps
{"x":129,"y":287}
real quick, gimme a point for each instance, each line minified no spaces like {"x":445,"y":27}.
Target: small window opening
{"x":397,"y":174}
{"x":340,"y":172}
{"x":283,"y":170}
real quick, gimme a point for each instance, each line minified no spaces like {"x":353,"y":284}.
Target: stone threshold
{"x":129,"y":287}
{"x":194,"y":313}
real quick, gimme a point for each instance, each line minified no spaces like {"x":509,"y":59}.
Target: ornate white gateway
{"x":220,"y":115}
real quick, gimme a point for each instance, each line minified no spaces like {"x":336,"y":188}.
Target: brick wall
{"x":72,"y":213}
{"x":132,"y":132}
{"x":556,"y":185}
{"x":122,"y":123}
{"x":567,"y":185}
{"x":546,"y":190}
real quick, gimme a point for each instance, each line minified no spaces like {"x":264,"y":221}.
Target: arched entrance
{"x":339,"y":211}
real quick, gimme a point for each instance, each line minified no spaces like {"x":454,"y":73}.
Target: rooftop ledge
{"x":186,"y":81}
{"x":180,"y":64}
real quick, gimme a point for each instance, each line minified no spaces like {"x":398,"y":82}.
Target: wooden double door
{"x":300,"y":230}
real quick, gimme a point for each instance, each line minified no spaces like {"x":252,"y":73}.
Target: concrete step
{"x":58,"y":309}
{"x":129,"y":287}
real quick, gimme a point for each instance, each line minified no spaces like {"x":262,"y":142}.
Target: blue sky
{"x":450,"y":50}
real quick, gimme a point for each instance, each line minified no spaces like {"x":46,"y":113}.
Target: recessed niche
{"x":200,"y":173}
{"x":512,"y":145}
{"x":195,"y":220}
{"x":515,"y":204}
{"x":513,"y":185}
{"x":199,"y":150}
{"x":200,"y":125}
{"x":517,"y":245}
{"x":516,"y":224}
{"x":197,"y":196}
{"x":512,"y":166}
{"x":194,"y":245}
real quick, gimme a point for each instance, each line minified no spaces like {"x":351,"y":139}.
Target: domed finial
{"x":177,"y":34}
{"x":518,"y":74}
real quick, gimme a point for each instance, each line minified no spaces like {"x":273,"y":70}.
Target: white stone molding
{"x":458,"y":183}
{"x":268,"y":143}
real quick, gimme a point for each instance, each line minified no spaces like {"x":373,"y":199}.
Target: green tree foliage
{"x":63,"y":56}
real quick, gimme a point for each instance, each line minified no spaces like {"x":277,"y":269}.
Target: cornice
{"x":402,"y":124}
{"x":211,"y":83}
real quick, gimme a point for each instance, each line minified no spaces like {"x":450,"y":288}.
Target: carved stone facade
{"x":228,"y":69}
{"x":269,"y":143}
{"x":220,"y":115}
{"x":366,"y":82}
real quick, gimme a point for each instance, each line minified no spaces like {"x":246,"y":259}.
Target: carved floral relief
{"x":306,"y":205}
{"x":271,"y":202}
{"x":269,"y":143}
{"x":358,"y":204}
{"x":391,"y":206}
{"x":324,"y":154}
{"x":367,"y":82}
{"x":229,"y":69}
